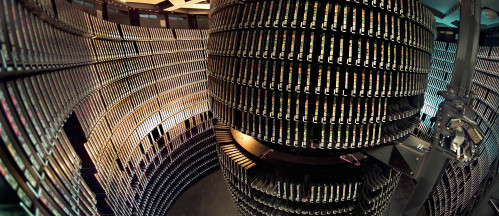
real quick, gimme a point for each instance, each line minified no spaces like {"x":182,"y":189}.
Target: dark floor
{"x":208,"y":197}
{"x":400,"y":196}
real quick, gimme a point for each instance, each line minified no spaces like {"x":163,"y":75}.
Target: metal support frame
{"x":414,"y":158}
{"x":423,"y":165}
{"x":457,"y":100}
{"x":407,"y":156}
{"x":467,"y":47}
{"x":458,"y":95}
{"x":430,"y":174}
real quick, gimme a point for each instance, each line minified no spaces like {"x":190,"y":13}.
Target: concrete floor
{"x":208,"y":197}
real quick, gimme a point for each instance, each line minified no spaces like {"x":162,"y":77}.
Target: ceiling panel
{"x":447,"y":10}
{"x":182,"y":4}
{"x":440,"y":5}
{"x":143,"y":1}
{"x":451,"y":13}
{"x":173,"y":5}
{"x":197,"y":6}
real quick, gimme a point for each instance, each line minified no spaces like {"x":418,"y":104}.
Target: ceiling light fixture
{"x":186,"y":4}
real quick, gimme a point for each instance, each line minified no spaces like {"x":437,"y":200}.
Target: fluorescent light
{"x":144,"y":1}
{"x":198,"y":6}
{"x":182,"y":5}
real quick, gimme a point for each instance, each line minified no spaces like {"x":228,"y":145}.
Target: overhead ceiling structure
{"x":192,"y":4}
{"x":447,"y":12}
{"x":182,"y":6}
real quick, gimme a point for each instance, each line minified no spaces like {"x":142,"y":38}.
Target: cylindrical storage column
{"x":268,"y":182}
{"x":320,"y":74}
{"x":319,"y":78}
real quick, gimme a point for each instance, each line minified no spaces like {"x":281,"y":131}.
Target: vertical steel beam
{"x":432,"y":170}
{"x":458,"y":89}
{"x":467,"y":46}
